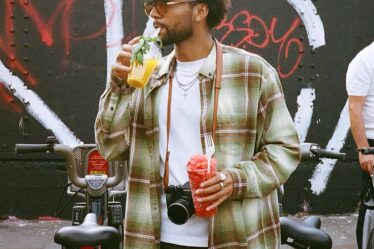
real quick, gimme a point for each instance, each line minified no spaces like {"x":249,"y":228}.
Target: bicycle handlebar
{"x":312,"y":151}
{"x":367,"y":151}
{"x":71,"y":165}
{"x":68,"y":154}
{"x":32,"y":148}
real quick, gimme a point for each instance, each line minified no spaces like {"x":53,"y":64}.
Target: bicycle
{"x":97,"y":222}
{"x":304,"y":234}
{"x":104,"y":228}
{"x":368,"y":227}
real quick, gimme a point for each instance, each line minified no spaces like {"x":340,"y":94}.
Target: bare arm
{"x":356,"y":104}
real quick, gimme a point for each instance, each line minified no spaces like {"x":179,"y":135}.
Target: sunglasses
{"x":161,"y":6}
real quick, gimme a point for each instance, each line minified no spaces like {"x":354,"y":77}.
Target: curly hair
{"x":217,"y":11}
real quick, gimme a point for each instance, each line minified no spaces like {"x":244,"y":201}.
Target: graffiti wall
{"x":55,"y":56}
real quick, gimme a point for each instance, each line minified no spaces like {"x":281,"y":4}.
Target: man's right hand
{"x":366,"y":163}
{"x":121,"y":68}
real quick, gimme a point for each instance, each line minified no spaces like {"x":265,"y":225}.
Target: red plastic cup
{"x":198,"y":172}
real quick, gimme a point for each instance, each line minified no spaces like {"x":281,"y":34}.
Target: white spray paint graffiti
{"x":323,"y":170}
{"x":316,"y":35}
{"x":35,"y":105}
{"x":114,"y":32}
{"x":113,"y":8}
{"x":37,"y":108}
{"x":312,"y":21}
{"x":303,"y":116}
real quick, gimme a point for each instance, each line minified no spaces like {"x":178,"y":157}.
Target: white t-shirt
{"x":360,"y":82}
{"x":184,"y":142}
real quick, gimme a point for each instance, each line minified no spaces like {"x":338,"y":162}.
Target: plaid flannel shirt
{"x":256,"y":142}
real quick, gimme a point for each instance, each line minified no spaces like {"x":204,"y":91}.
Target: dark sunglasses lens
{"x":160,"y":7}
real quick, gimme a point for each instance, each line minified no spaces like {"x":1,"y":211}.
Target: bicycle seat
{"x":305,"y":232}
{"x":313,"y":221}
{"x":89,"y":233}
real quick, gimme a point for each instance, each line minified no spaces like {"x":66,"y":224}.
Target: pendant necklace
{"x":186,"y":86}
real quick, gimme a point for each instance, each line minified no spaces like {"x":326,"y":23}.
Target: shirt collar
{"x":165,"y":67}
{"x":208,"y":69}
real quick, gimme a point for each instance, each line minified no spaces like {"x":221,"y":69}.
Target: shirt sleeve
{"x":279,"y":149}
{"x":113,"y":120}
{"x":358,"y":76}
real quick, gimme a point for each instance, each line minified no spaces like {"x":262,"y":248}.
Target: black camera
{"x":179,"y":203}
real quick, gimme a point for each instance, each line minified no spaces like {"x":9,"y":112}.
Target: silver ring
{"x":221,"y":184}
{"x":222,"y":176}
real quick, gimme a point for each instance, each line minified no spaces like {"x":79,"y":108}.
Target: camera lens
{"x":181,"y":210}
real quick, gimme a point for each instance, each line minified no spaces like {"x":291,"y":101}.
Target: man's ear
{"x":201,"y":11}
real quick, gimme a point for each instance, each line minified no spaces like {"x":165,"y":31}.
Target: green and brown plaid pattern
{"x":256,"y":142}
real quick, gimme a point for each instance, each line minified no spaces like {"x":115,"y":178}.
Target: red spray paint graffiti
{"x":241,"y":26}
{"x":6,"y":98}
{"x":45,"y":28}
{"x":245,"y":28}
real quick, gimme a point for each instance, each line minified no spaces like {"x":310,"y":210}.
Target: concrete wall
{"x":55,"y":55}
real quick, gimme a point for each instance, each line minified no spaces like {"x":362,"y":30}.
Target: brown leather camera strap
{"x":217,"y":85}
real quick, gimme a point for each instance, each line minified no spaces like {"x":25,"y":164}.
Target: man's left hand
{"x":215,"y":190}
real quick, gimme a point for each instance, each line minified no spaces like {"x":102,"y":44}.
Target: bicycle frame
{"x":96,"y":188}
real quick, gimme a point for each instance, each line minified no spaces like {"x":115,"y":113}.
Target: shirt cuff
{"x":120,"y":86}
{"x":239,"y":183}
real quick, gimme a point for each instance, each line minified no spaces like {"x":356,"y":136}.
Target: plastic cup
{"x":140,"y":74}
{"x":198,"y":173}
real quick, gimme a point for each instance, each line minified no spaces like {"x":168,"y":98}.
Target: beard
{"x":177,"y":33}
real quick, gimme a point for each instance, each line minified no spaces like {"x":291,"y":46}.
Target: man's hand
{"x":366,"y":163}
{"x":121,"y":68}
{"x":215,"y":190}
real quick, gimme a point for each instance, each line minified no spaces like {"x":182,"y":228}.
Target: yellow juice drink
{"x":140,"y":74}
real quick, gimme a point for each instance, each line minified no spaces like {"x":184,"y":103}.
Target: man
{"x":256,"y":144}
{"x":360,"y":88}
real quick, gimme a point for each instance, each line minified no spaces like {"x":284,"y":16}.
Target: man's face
{"x":175,"y":24}
{"x":176,"y":33}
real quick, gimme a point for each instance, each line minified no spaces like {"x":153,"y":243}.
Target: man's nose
{"x":154,"y":13}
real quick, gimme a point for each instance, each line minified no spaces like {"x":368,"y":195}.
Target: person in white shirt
{"x":360,"y":89}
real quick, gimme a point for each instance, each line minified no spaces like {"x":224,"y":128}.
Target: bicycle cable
{"x":68,"y":202}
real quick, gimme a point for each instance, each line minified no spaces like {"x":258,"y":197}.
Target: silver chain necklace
{"x":186,"y":86}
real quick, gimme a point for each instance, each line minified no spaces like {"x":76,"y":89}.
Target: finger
{"x":134,"y":40}
{"x":370,"y":168}
{"x":209,"y":190}
{"x":215,"y":196}
{"x":120,"y":70}
{"x":127,"y":47}
{"x":214,"y":180}
{"x":124,"y":55}
{"x":366,"y":166}
{"x":124,"y":58}
{"x":211,"y":198}
{"x":217,"y":203}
